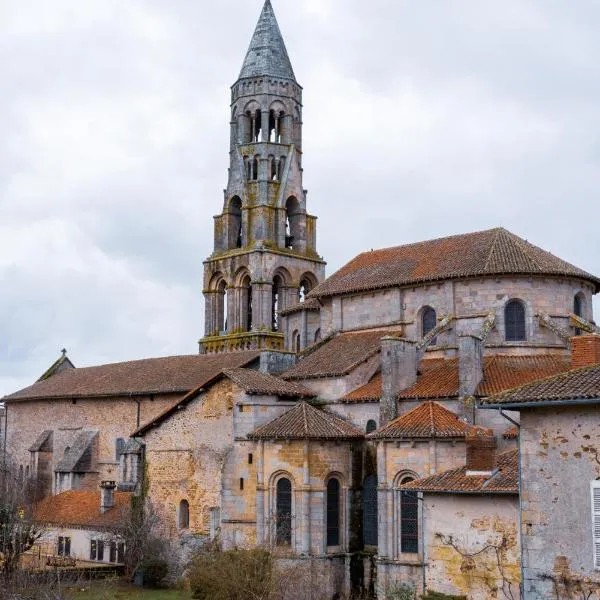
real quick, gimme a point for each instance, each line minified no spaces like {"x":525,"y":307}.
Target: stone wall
{"x":559,"y":460}
{"x":472,"y":545}
{"x":114,"y":418}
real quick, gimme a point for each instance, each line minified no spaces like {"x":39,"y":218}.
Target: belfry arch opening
{"x":235,"y":216}
{"x":275,"y":126}
{"x":246,"y":297}
{"x":292,"y":223}
{"x":307,"y":283}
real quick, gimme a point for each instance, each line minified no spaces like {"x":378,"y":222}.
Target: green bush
{"x":440,"y":596}
{"x":154,"y":570}
{"x":232,"y":575}
{"x":401,"y":591}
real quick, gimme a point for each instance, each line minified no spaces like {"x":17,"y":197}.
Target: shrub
{"x":154,"y":570}
{"x":232,"y":575}
{"x":401,"y":591}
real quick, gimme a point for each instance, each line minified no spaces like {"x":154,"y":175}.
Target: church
{"x":335,"y":419}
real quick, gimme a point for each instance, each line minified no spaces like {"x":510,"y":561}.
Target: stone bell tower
{"x":264,"y":257}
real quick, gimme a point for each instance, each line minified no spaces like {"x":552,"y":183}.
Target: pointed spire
{"x":267,"y":54}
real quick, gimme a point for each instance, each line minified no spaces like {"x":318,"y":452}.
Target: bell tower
{"x":264,"y":257}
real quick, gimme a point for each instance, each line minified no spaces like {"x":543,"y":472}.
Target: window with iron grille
{"x":283,"y":531}
{"x":514,"y":321}
{"x":409,"y":520}
{"x":333,"y":512}
{"x":370,"y":511}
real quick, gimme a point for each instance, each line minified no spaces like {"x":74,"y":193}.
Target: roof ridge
{"x":523,"y":246}
{"x":492,"y":248}
{"x":432,"y":418}
{"x":305,"y":418}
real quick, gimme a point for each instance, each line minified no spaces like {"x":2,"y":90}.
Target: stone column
{"x":265,"y":125}
{"x":470,"y":372}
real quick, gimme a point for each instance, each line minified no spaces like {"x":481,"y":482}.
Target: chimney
{"x":470,"y":372}
{"x":274,"y":363}
{"x":107,"y":495}
{"x":398,"y":372}
{"x":481,"y":451}
{"x":585,"y":351}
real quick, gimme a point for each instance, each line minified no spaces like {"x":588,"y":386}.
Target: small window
{"x":578,"y":309}
{"x":514,"y":321}
{"x":93,"y":549}
{"x":100,"y":550}
{"x":333,"y":512}
{"x":596,"y":521}
{"x":121,"y":552}
{"x":371,"y":425}
{"x":409,"y":520}
{"x":241,"y":483}
{"x":283,"y":529}
{"x":428,"y":320}
{"x":250,"y":458}
{"x":64,"y":546}
{"x":241,"y":407}
{"x":184,"y":514}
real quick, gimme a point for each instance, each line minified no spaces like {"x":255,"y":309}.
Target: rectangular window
{"x":241,"y":483}
{"x":113,"y":552}
{"x":119,"y":446}
{"x":250,"y":459}
{"x":64,"y":546}
{"x":596,"y":521}
{"x":93,"y":549}
{"x":121,"y":552}
{"x":100,"y":550}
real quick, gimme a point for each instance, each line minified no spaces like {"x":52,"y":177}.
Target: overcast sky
{"x":422,"y":119}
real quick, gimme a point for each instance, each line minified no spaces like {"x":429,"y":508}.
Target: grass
{"x":109,"y":590}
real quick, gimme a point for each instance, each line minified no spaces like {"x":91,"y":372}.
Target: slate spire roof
{"x":480,"y":254}
{"x":267,"y":54}
{"x":305,"y":422}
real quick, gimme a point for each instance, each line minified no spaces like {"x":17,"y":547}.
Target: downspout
{"x":423,"y":548}
{"x":518,"y":425}
{"x":4,"y":447}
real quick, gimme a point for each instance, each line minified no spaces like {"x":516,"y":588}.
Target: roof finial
{"x":64,"y":351}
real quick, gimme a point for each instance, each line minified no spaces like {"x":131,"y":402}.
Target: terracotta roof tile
{"x":429,"y":420}
{"x":310,"y":304}
{"x":82,"y":509}
{"x":575,"y":384}
{"x":483,"y":253}
{"x":438,"y":378}
{"x":503,"y":480}
{"x":174,"y":374}
{"x":512,"y":433}
{"x":255,"y":382}
{"x":304,"y":421}
{"x":340,"y":355}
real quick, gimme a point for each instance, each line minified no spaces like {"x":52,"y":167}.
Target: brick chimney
{"x":107,"y":495}
{"x":585,"y":351}
{"x":398,"y":372}
{"x":481,"y":451}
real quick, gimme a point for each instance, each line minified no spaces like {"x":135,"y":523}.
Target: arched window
{"x":292,"y":214}
{"x":254,"y":169}
{"x":578,"y":309}
{"x":273,"y":168}
{"x":514,"y":321}
{"x":256,"y":125}
{"x":370,"y":511}
{"x":428,"y":321}
{"x":306,"y":285}
{"x":296,"y":341}
{"x":184,"y":515}
{"x":222,"y":307}
{"x":333,"y":512}
{"x":283,"y":530}
{"x":409,"y":519}
{"x":235,"y":221}
{"x":371,"y":426}
{"x":317,"y":336}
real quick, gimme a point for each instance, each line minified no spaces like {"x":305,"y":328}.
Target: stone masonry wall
{"x":27,"y":420}
{"x":472,"y":545}
{"x":560,"y":457}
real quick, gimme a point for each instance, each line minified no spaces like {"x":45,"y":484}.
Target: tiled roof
{"x":512,"y":433}
{"x":174,"y":374}
{"x":484,"y":253}
{"x":428,"y":420}
{"x":310,"y":304}
{"x":267,"y":54}
{"x":338,"y":357}
{"x":82,"y":509}
{"x":304,"y":421}
{"x":438,"y":378}
{"x":574,"y":385}
{"x":255,"y":382}
{"x":43,"y":443}
{"x":62,"y":363}
{"x":503,"y":480}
